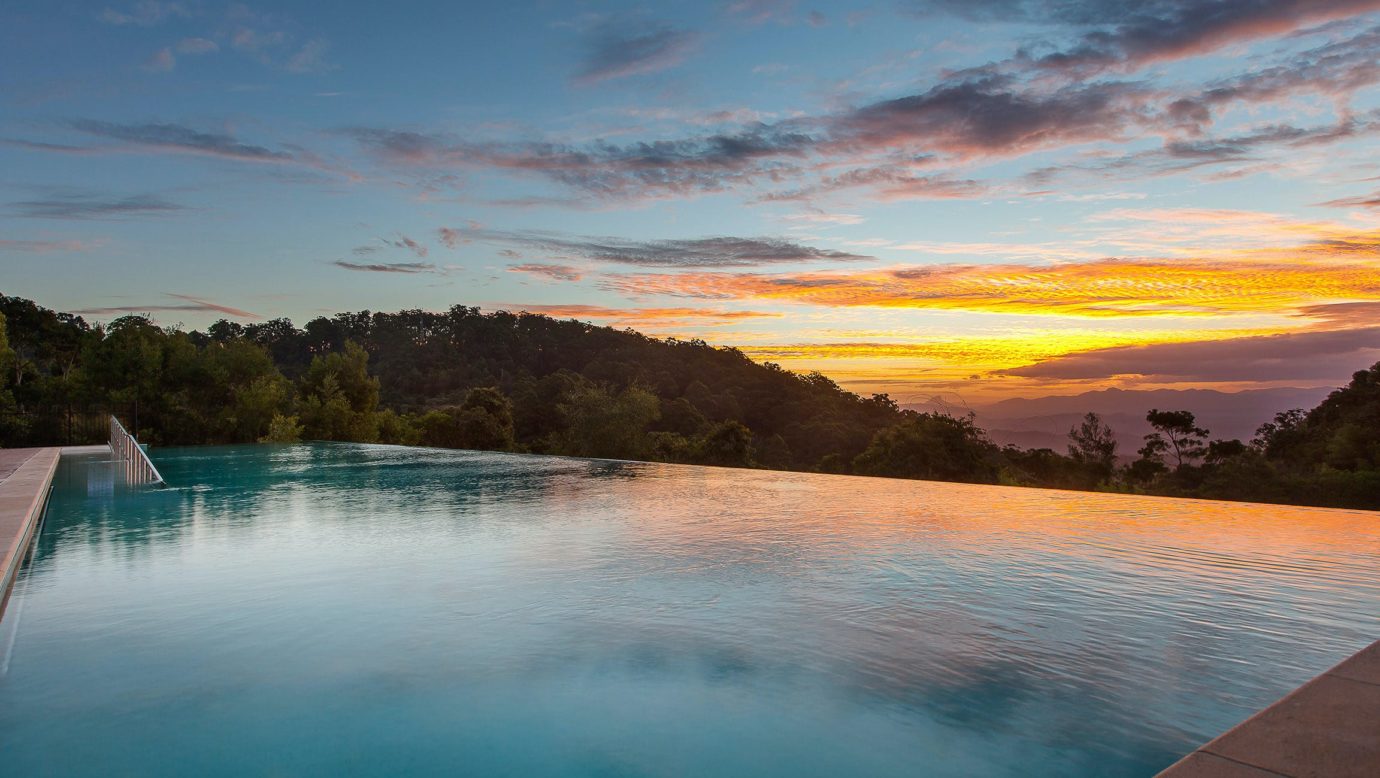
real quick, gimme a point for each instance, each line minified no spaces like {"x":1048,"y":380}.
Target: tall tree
{"x":1092,"y":444}
{"x":1180,"y":432}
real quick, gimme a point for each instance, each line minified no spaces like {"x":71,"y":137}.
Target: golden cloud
{"x":1269,"y":281}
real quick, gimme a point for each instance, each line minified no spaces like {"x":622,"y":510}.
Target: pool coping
{"x":22,"y":497}
{"x":1329,"y":726}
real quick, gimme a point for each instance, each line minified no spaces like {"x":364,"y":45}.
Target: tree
{"x":282,"y":429}
{"x":1179,"y":433}
{"x":1092,"y":444}
{"x":931,"y":446}
{"x":1219,"y":451}
{"x":484,"y":421}
{"x":727,"y":444}
{"x":1279,"y":437}
{"x":607,"y":425}
{"x":340,"y":398}
{"x":11,"y":426}
{"x":1150,"y":465}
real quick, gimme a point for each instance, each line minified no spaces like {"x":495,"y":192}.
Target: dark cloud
{"x":687,"y":253}
{"x":1180,"y":155}
{"x":190,"y":304}
{"x":178,"y":138}
{"x":621,"y":53}
{"x":1371,"y":200}
{"x":993,"y":115}
{"x":404,"y":242}
{"x":389,"y":267}
{"x":885,"y":141}
{"x":74,"y":205}
{"x":1359,"y":313}
{"x":707,"y":163}
{"x":1007,"y":108}
{"x":890,"y":183}
{"x":1300,"y":356}
{"x":552,"y":272}
{"x":1337,"y":69}
{"x":1131,"y":33}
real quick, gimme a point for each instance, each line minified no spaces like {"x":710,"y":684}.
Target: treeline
{"x":529,"y":383}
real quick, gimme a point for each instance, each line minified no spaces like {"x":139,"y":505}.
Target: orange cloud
{"x":1272,"y":281}
{"x":643,"y":316}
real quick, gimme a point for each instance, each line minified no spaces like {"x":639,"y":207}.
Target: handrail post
{"x":138,"y":467}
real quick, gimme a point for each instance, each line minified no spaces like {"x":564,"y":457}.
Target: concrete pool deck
{"x":27,"y":473}
{"x":1330,"y":726}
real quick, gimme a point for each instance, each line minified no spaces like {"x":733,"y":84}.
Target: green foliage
{"x":282,"y":429}
{"x":728,"y":444}
{"x":398,"y":429}
{"x":484,"y":421}
{"x":530,"y":383}
{"x":11,"y":425}
{"x":607,"y":425}
{"x":339,"y":398}
{"x":1092,"y":446}
{"x":931,"y":446}
{"x":1177,"y":434}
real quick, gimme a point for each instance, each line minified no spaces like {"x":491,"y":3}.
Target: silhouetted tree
{"x":1179,"y":431}
{"x":1092,"y":444}
{"x":931,"y":446}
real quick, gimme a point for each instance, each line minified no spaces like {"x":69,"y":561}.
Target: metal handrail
{"x":138,"y":468}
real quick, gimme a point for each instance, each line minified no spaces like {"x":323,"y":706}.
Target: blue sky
{"x":983,"y":198}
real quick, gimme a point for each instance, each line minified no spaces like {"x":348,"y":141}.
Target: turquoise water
{"x":335,"y":610}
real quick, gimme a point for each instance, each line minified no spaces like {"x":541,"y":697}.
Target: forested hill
{"x":629,"y":395}
{"x":524,"y":382}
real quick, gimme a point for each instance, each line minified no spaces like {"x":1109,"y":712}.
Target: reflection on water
{"x":340,"y":609}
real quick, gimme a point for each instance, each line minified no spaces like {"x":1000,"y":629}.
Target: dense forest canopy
{"x":524,"y":382}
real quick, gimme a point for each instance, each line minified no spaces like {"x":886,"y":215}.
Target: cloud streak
{"x":658,"y":319}
{"x":46,"y":246}
{"x":1295,"y":356}
{"x":180,"y":139}
{"x":1341,"y":269}
{"x":621,"y":54}
{"x":549,"y":272}
{"x":75,"y":205}
{"x":1130,"y":35}
{"x":190,"y":304}
{"x":711,"y":252}
{"x":410,"y":268}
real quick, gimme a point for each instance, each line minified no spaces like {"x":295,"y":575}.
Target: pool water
{"x":335,"y":609}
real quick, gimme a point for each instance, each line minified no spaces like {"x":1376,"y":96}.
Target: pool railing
{"x":124,"y":447}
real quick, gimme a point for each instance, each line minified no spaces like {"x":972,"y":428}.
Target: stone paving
{"x":1330,"y":726}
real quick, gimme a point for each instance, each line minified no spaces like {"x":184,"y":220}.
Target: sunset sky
{"x":970,"y":198}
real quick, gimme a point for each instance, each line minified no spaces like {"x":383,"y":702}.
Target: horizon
{"x":991,"y":200}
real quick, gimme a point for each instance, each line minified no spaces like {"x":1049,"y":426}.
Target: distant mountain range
{"x":1044,"y":422}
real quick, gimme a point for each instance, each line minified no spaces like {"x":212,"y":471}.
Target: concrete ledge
{"x":22,"y":496}
{"x":1330,"y":726}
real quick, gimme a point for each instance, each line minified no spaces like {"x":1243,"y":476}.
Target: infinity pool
{"x":370,"y":610}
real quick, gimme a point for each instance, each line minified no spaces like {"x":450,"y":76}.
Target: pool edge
{"x":23,"y":496}
{"x":1328,"y":726}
